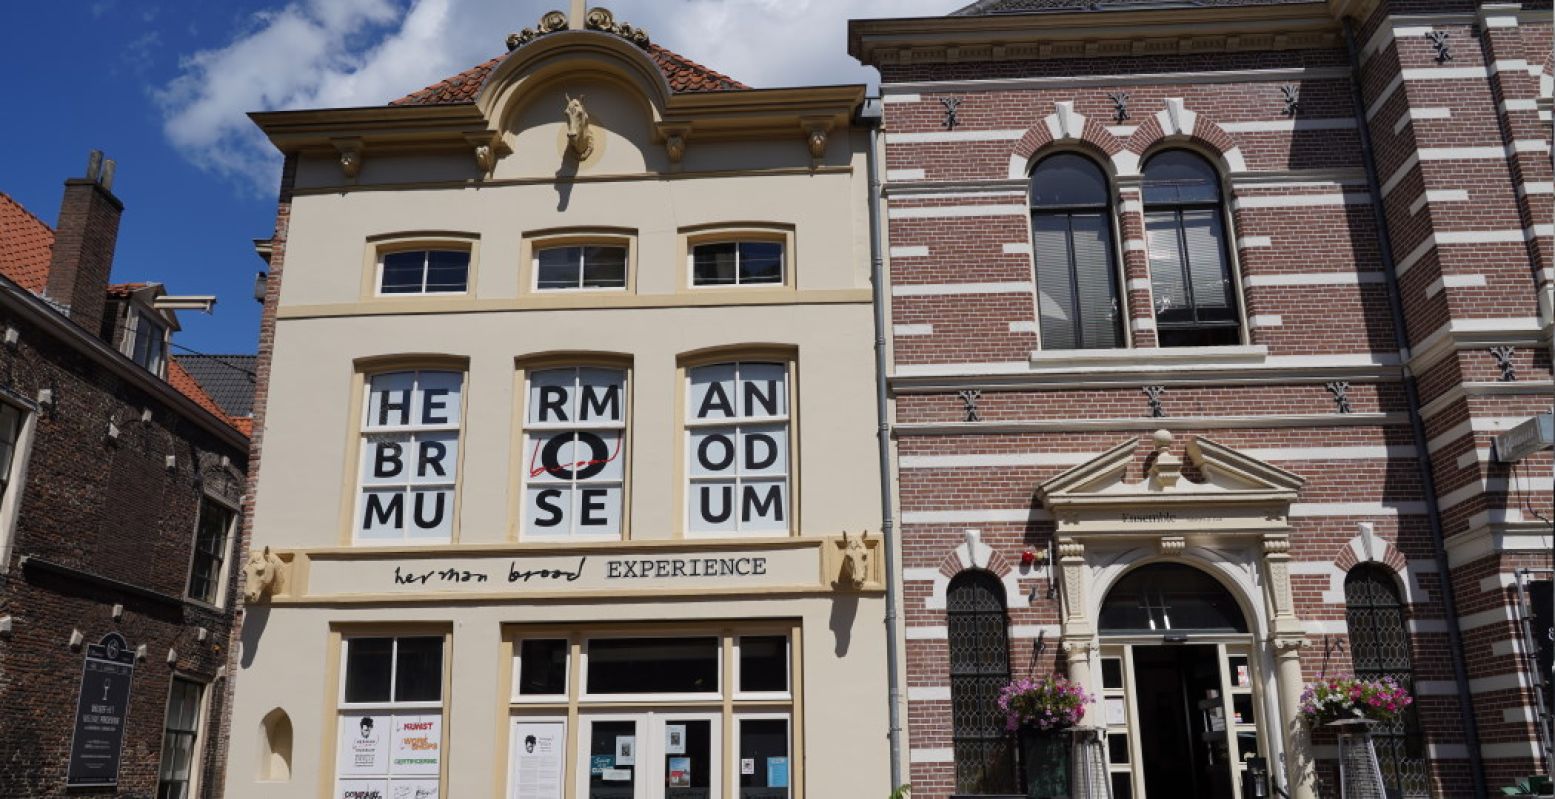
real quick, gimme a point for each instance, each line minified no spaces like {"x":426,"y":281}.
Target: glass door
{"x":651,"y":755}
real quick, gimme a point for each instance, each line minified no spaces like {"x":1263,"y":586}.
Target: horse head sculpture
{"x":579,"y":133}
{"x":855,"y":563}
{"x":263,"y":575}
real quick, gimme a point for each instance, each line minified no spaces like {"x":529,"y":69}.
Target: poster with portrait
{"x":538,"y":755}
{"x":674,"y":739}
{"x":417,"y":745}
{"x":364,"y":744}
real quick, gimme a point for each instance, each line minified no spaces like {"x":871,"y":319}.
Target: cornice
{"x":1144,"y":32}
{"x":1275,"y":75}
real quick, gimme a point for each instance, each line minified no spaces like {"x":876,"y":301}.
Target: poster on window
{"x":539,"y":752}
{"x":575,"y":429}
{"x":410,"y":448}
{"x":417,"y":745}
{"x":364,"y":745}
{"x":413,"y":789}
{"x":739,"y":471}
{"x":362,"y":789}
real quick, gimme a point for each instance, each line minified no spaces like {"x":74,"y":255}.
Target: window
{"x":574,"y":432}
{"x":180,"y":738}
{"x":391,"y":718}
{"x":1190,"y":270}
{"x":737,"y":263}
{"x":1170,"y":596}
{"x":1071,"y":237}
{"x":424,"y":272}
{"x":1379,"y":647}
{"x":580,"y":267}
{"x":212,"y":532}
{"x":649,"y":706}
{"x":13,"y":468}
{"x":737,"y":440}
{"x":410,"y":457}
{"x":149,"y":345}
{"x":979,"y":648}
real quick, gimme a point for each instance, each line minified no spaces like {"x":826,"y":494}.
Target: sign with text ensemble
{"x":100,"y":711}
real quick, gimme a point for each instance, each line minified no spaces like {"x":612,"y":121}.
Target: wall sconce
{"x":13,"y":337}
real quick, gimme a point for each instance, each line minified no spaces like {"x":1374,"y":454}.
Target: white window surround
{"x":156,"y":355}
{"x":15,"y":480}
{"x":425,"y":249}
{"x":229,"y":541}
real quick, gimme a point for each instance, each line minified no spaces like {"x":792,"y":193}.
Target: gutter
{"x":1416,"y":424}
{"x":34,"y":310}
{"x":871,"y":115}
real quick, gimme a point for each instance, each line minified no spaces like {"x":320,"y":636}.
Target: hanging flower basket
{"x":1345,"y":698}
{"x":1050,"y":704}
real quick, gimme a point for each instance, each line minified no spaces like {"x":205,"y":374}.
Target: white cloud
{"x":336,"y":53}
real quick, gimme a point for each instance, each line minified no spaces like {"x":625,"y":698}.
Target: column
{"x":1287,"y":638}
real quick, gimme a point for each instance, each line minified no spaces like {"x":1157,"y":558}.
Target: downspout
{"x":1416,"y":423}
{"x":871,"y":115}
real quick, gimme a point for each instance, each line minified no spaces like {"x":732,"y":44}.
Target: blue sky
{"x":162,"y":88}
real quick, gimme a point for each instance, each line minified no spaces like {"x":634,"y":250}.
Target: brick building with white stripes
{"x":1312,"y":243}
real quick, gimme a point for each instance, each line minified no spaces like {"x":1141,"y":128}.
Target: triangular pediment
{"x":1233,"y":485}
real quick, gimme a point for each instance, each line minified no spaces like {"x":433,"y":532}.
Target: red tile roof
{"x":180,"y":379}
{"x":683,"y":74}
{"x":126,"y":289}
{"x":26,"y":245}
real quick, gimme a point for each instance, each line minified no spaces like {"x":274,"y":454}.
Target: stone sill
{"x":1149,"y":358}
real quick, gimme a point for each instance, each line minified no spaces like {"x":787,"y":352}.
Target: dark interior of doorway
{"x":1180,"y":754}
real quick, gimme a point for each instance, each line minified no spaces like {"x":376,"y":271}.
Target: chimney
{"x":84,"y":240}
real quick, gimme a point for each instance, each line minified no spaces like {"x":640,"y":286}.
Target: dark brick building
{"x":1310,"y":241}
{"x":120,"y":481}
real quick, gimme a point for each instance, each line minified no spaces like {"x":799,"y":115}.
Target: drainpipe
{"x":871,"y":116}
{"x":1416,"y":423}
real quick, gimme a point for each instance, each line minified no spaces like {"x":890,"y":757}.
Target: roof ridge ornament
{"x":601,"y":19}
{"x":550,"y":22}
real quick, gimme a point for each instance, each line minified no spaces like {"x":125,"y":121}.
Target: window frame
{"x":15,"y":479}
{"x":999,"y":592}
{"x":736,"y":232}
{"x":196,"y":747}
{"x":786,"y":356}
{"x":1110,"y":211}
{"x":526,"y":365}
{"x":763,"y":696}
{"x":1228,"y":248}
{"x":351,"y":504}
{"x":586,"y":699}
{"x":536,"y":241}
{"x":224,"y":569}
{"x":136,"y":316}
{"x":379,"y":245}
{"x":1398,"y":737}
{"x":338,"y":709}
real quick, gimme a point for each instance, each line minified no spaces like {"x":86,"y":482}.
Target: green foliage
{"x":901,"y":792}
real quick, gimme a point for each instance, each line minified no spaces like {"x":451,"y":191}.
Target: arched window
{"x":1071,"y":240}
{"x":1379,"y":647}
{"x":1190,"y":270}
{"x":1170,"y":596}
{"x":979,"y":668}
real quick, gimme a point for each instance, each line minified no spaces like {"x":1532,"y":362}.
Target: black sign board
{"x":100,"y":712}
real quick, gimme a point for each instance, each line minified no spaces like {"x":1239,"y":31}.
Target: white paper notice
{"x":413,"y":789}
{"x":674,"y":739}
{"x":362,"y":789}
{"x":538,"y":751}
{"x":626,"y":750}
{"x":617,"y":775}
{"x":1115,"y":714}
{"x":364,"y":745}
{"x":417,"y":745}
{"x":747,"y":765}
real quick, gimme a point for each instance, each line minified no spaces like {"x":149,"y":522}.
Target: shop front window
{"x":389,"y":737}
{"x":651,"y":714}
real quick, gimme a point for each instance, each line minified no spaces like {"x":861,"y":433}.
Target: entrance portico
{"x":1182,"y":585}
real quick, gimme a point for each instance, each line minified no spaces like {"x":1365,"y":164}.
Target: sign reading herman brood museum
{"x":100,"y":711}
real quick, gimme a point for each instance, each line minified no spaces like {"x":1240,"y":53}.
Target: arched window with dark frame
{"x":1379,"y":647}
{"x":1190,"y":265}
{"x":979,"y":645}
{"x":1078,"y":304}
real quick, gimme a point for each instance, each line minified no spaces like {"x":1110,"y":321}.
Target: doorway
{"x":1178,"y":690}
{"x":650,"y":756}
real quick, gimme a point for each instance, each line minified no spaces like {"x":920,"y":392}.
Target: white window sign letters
{"x":737,"y":443}
{"x":409,"y":457}
{"x":574,"y":437}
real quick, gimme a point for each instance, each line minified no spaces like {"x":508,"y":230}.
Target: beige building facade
{"x":568,"y":483}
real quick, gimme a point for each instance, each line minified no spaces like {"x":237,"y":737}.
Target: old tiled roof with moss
{"x":26,"y":245}
{"x":683,"y":74}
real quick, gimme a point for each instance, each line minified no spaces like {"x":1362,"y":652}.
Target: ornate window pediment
{"x":1236,"y":493}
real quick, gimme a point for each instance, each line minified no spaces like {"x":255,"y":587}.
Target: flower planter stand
{"x":1044,"y":758}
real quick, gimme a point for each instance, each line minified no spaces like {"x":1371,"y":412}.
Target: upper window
{"x":180,"y":741}
{"x":11,"y":420}
{"x":424,"y":272}
{"x":737,"y":429}
{"x":149,"y":346}
{"x":1190,"y":268}
{"x":409,"y":457}
{"x":391,"y":718}
{"x":574,"y":431}
{"x":1071,"y":237}
{"x":212,"y":534}
{"x":580,"y":267}
{"x":737,"y":263}
{"x":13,"y":458}
{"x":1170,"y":596}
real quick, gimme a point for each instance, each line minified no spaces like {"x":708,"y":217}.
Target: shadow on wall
{"x":844,"y":610}
{"x":255,"y":619}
